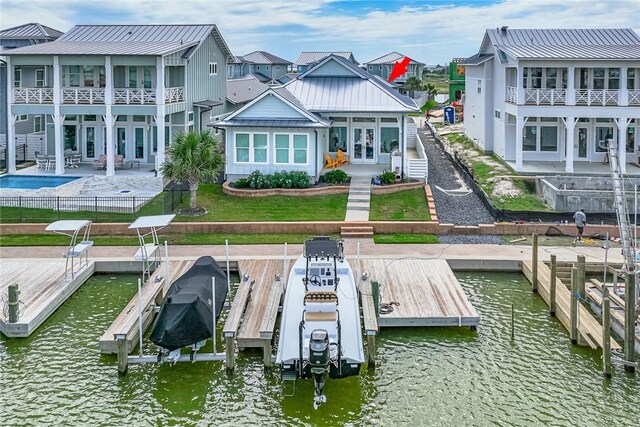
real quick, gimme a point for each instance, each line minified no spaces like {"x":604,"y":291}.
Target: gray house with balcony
{"x":383,"y":66}
{"x":120,"y":90}
{"x":546,"y":99}
{"x":264,"y":66}
{"x":13,"y":38}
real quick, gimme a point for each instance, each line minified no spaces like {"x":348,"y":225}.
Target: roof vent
{"x":503,"y":29}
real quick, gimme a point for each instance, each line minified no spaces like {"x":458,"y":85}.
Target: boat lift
{"x":149,"y":253}
{"x":72,"y":228}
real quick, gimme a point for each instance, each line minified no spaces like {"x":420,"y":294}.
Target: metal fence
{"x":174,"y":194}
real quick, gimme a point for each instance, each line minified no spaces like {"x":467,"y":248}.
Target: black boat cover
{"x":186,"y":315}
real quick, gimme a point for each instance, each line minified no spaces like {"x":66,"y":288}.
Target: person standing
{"x":581,"y":220}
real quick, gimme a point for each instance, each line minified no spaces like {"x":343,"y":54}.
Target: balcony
{"x":589,"y":97}
{"x":598,"y":97}
{"x":96,"y":96}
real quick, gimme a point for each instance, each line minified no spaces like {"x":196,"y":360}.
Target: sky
{"x":430,"y":31}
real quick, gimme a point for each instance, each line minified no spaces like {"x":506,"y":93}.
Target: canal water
{"x":436,"y":377}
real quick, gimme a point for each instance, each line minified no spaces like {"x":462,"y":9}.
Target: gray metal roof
{"x":586,"y":53}
{"x":307,"y":58}
{"x":391,"y":58}
{"x":30,"y":31}
{"x":207,"y":103}
{"x":127,"y":40}
{"x":262,"y":57}
{"x":244,"y":89}
{"x":271,"y":123}
{"x":476,"y":59}
{"x":563,"y":37}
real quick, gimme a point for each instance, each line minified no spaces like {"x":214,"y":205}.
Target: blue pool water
{"x":34,"y":182}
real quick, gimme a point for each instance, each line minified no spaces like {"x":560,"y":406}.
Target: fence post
{"x":133,"y":207}
{"x":58,"y":207}
{"x":95,"y":208}
{"x":20,"y":207}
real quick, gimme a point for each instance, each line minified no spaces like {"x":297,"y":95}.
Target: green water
{"x":439,"y":377}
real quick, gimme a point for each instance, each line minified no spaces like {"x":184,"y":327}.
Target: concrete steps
{"x":356,"y":231}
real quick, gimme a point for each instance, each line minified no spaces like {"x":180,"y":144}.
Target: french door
{"x":90,"y":148}
{"x":581,"y":144}
{"x":363,"y":145}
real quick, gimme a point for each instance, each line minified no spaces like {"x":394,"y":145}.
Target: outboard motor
{"x":319,"y":359}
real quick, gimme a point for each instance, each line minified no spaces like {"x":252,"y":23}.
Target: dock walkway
{"x":43,"y":287}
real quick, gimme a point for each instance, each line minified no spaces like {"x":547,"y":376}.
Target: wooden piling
{"x":534,"y":263}
{"x":123,"y":353}
{"x":14,"y":301}
{"x":581,"y":276}
{"x":629,"y":322}
{"x":371,"y":350}
{"x":606,"y":333}
{"x":552,"y":286}
{"x":513,"y":322}
{"x":574,"y":305}
{"x":375,"y":293}
{"x":230,"y":354}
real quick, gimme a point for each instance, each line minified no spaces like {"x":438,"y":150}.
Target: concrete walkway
{"x":359,"y":199}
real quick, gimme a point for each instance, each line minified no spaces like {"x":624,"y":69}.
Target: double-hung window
{"x":251,"y":147}
{"x":17,"y":77}
{"x":40,"y":77}
{"x":291,"y":149}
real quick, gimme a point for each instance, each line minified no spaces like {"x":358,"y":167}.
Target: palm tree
{"x":193,"y":157}
{"x":413,"y":83}
{"x":431,"y":90}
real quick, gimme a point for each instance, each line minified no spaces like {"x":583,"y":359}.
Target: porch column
{"x":519,"y":128}
{"x":160,"y":114}
{"x":11,"y":121}
{"x":58,"y":118}
{"x":570,"y":124}
{"x":624,"y":92}
{"x":622,"y":123}
{"x":109,"y":118}
{"x":520,"y":85}
{"x":571,"y":85}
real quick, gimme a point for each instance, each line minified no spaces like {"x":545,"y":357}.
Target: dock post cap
{"x":119,"y":336}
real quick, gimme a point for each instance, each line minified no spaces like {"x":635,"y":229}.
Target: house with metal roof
{"x":544,"y":100}
{"x":383,"y":65}
{"x":242,"y":90}
{"x":12,"y":38}
{"x":306,"y":60}
{"x":334,"y":105}
{"x":264,"y":66}
{"x":117,"y":94}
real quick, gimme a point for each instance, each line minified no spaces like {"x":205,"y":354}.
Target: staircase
{"x":356,"y":231}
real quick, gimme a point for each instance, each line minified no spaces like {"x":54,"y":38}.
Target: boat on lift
{"x":320,"y":330}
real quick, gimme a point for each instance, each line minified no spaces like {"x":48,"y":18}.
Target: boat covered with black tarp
{"x":186,"y":315}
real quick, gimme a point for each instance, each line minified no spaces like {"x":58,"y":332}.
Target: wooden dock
{"x":153,"y":292}
{"x":427,"y":293}
{"x":589,"y":328}
{"x":43,"y":288}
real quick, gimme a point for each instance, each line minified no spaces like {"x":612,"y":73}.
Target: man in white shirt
{"x":581,"y":220}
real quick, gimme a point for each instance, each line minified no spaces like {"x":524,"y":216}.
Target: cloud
{"x":430,"y":33}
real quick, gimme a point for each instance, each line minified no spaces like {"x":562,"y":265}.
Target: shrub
{"x":257,"y":180}
{"x":335,"y":177}
{"x":299,"y":179}
{"x":241,"y":183}
{"x":387,"y":177}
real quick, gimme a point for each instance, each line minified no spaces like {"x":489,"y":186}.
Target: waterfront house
{"x":306,"y":60}
{"x":539,"y":97}
{"x":264,"y":66}
{"x":120,"y":90}
{"x":334,"y":105}
{"x":383,"y":66}
{"x":12,"y":38}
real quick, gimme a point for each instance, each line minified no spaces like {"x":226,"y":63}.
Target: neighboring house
{"x":242,"y":90}
{"x":264,"y":66}
{"x":334,"y":105}
{"x":383,"y":66}
{"x":306,"y":60}
{"x":12,"y":38}
{"x":456,"y":79}
{"x":121,"y":89}
{"x":554,"y":95}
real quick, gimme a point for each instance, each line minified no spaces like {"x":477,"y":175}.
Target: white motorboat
{"x":320,"y":331}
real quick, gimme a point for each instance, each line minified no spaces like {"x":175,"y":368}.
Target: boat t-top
{"x":320,"y":330}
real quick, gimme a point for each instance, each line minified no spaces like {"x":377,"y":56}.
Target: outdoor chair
{"x":74,"y":161}
{"x":51,"y":163}
{"x":341,"y":159}
{"x":101,"y":162}
{"x":329,"y":162}
{"x":118,"y":161}
{"x":41,"y":161}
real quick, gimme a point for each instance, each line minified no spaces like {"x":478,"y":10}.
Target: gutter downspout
{"x":402,"y":150}
{"x":315,"y":165}
{"x":5,"y":118}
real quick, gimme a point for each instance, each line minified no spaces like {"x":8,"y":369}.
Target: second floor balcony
{"x":589,"y":97}
{"x":93,"y":96}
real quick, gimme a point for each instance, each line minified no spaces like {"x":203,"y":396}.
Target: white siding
{"x":270,"y":107}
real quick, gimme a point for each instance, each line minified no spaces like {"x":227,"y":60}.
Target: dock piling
{"x":513,"y":323}
{"x":629,"y":322}
{"x":574,"y":305}
{"x":534,"y":262}
{"x":581,"y":276}
{"x":552,"y":286}
{"x":371,"y":350}
{"x":14,"y":301}
{"x":375,"y":294}
{"x":230,"y":355}
{"x":123,"y":354}
{"x":606,"y":333}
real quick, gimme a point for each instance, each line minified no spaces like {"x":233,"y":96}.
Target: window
{"x":87,"y":72}
{"x":242,"y":147}
{"x":213,"y":68}
{"x":631,"y":132}
{"x":260,"y":148}
{"x":38,"y":125}
{"x":22,"y":117}
{"x":601,"y":135}
{"x":548,"y":138}
{"x":614,"y":78}
{"x":496,"y":114}
{"x":190,"y":117}
{"x":89,"y":118}
{"x":73,"y":76}
{"x":300,"y":149}
{"x":529,"y":142}
{"x":338,"y":138}
{"x":17,"y":77}
{"x":631,"y":78}
{"x":370,"y":67}
{"x":139,"y":118}
{"x":40,"y":77}
{"x":389,"y":137}
{"x":551,"y":78}
{"x":364,"y":119}
{"x":282,"y":148}
{"x":122,"y":118}
{"x":598,"y":78}
{"x":251,"y":147}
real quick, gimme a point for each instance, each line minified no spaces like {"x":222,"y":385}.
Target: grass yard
{"x":405,"y":238}
{"x":171,"y":238}
{"x":223,"y":208}
{"x":408,"y":205}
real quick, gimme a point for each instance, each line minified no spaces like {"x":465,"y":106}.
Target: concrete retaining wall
{"x":594,"y":194}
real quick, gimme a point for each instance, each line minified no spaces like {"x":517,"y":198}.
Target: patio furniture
{"x":101,"y":162}
{"x":131,"y":163}
{"x":329,"y":162}
{"x":74,"y":161}
{"x":118,"y":161}
{"x":341,"y":159}
{"x":51,"y":163}
{"x":41,"y":161}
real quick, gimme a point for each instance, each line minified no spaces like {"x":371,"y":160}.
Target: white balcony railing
{"x":597,"y":97}
{"x":32,"y":95}
{"x":545,"y":96}
{"x":82,"y":95}
{"x":173,"y":94}
{"x":634,"y":96}
{"x":134,"y":96}
{"x":512,"y":94}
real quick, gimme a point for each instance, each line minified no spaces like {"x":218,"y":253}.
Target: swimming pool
{"x":34,"y":182}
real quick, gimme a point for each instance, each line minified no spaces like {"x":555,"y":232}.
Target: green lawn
{"x":408,"y":205}
{"x":405,"y":238}
{"x":223,"y":208}
{"x":171,"y":238}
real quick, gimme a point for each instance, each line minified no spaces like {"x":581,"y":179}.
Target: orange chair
{"x":341,"y":158}
{"x":329,"y":162}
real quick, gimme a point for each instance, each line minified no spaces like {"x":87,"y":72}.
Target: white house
{"x":537,"y":96}
{"x":334,"y":105}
